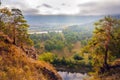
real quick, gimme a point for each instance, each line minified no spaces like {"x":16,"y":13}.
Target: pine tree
{"x":13,"y":24}
{"x":103,"y":43}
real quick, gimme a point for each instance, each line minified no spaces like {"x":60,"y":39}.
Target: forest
{"x":54,"y":47}
{"x":98,"y":49}
{"x":24,"y":56}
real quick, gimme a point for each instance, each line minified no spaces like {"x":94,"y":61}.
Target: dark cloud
{"x":46,"y":5}
{"x":63,"y":4}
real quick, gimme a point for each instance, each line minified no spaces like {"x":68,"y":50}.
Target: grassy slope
{"x":15,"y":65}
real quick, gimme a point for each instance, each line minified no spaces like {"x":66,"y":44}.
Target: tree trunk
{"x":105,"y":64}
{"x":14,"y":36}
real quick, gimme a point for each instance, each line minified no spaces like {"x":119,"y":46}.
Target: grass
{"x":15,"y":65}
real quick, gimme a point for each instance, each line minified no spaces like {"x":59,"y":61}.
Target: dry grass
{"x":15,"y":65}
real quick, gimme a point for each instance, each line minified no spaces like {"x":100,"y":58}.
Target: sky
{"x":65,"y":7}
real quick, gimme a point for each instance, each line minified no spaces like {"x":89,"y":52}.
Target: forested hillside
{"x":17,"y":54}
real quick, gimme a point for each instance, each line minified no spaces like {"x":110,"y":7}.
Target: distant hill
{"x":116,"y":16}
{"x":60,"y":19}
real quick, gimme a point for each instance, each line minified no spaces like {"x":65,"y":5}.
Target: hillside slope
{"x":16,"y":65}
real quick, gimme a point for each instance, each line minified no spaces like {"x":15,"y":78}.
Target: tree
{"x":103,"y":41}
{"x":4,"y":22}
{"x":13,"y":24}
{"x":16,"y":19}
{"x":0,"y":2}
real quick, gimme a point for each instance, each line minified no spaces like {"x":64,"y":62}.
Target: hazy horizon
{"x":63,"y":19}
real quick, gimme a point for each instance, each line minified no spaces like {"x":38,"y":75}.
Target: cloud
{"x":65,"y":7}
{"x":56,"y":8}
{"x":38,"y":6}
{"x":63,"y":4}
{"x":89,"y":4}
{"x":23,"y":6}
{"x":101,"y":8}
{"x":46,"y":5}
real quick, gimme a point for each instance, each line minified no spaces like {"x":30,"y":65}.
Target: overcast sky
{"x":65,"y":7}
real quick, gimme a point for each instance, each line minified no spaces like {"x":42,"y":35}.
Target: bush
{"x":48,"y":57}
{"x":77,"y":57}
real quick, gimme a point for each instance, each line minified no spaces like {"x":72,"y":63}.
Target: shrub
{"x":48,"y":57}
{"x":77,"y":57}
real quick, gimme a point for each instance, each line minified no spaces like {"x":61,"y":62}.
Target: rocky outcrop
{"x":30,"y":52}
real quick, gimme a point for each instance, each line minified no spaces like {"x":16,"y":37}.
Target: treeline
{"x":75,"y":63}
{"x":58,"y":41}
{"x":76,"y":33}
{"x":49,"y":42}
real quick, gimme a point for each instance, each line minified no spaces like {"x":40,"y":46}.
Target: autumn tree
{"x":13,"y":24}
{"x":103,"y":45}
{"x":20,"y":27}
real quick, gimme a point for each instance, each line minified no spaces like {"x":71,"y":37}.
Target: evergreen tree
{"x":103,"y":43}
{"x":13,"y":24}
